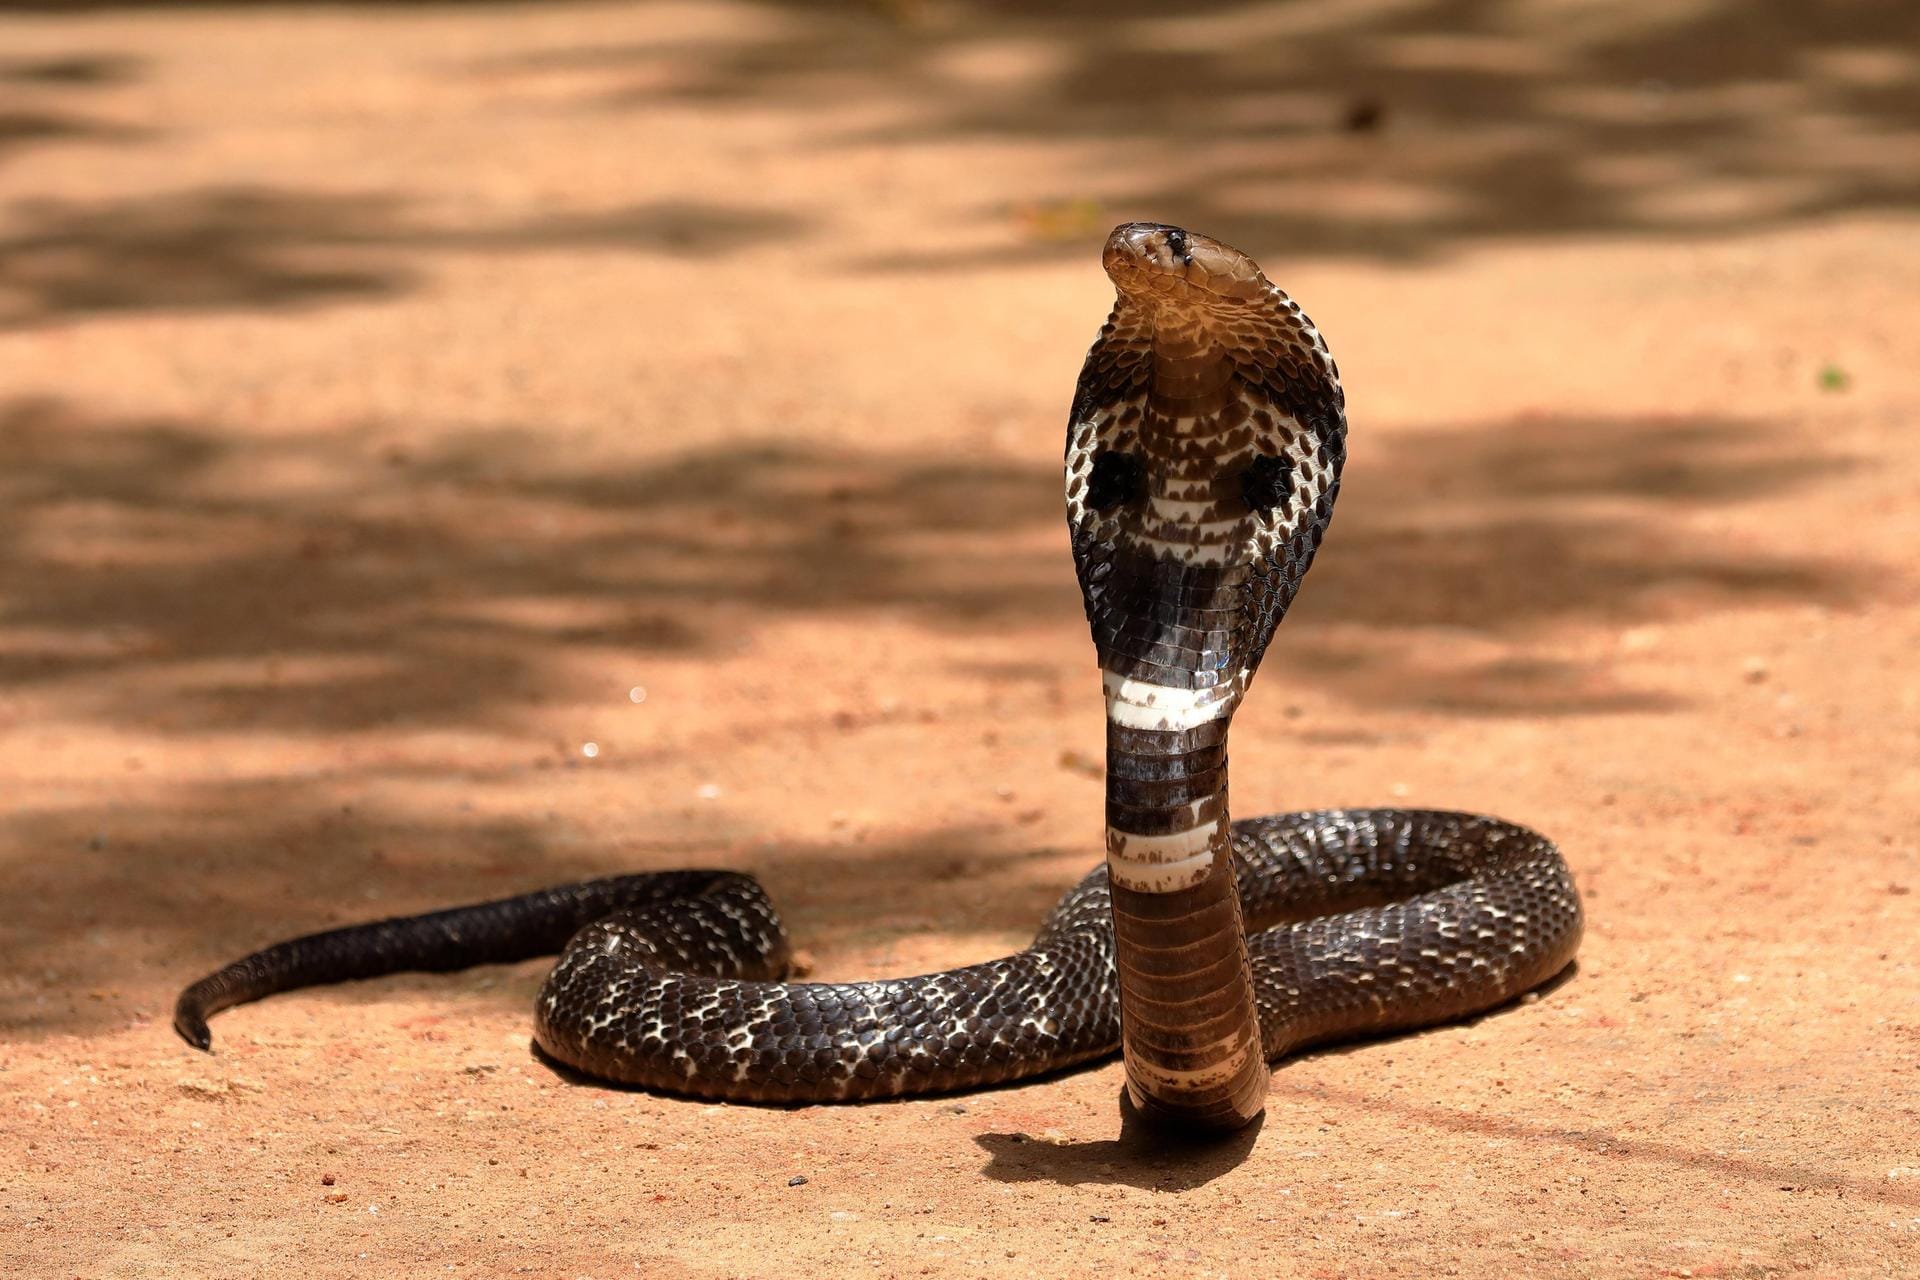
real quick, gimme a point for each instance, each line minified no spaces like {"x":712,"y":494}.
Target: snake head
{"x":1203,"y":457}
{"x":1150,"y":259}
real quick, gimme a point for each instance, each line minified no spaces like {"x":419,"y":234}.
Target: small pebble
{"x":1098,"y":1217}
{"x":708,"y":791}
{"x":327,"y":1179}
{"x":1082,"y":763}
{"x":1640,"y":639}
{"x":1365,"y":115}
{"x":637,"y":694}
{"x":1754,"y":670}
{"x":797,"y":1180}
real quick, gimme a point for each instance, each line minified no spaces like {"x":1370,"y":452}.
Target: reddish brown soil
{"x":387,"y":390}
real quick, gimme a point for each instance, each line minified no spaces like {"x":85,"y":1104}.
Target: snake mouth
{"x":1151,"y":261}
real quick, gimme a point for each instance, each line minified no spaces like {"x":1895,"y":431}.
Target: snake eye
{"x":1267,"y":485}
{"x":1177,"y":244}
{"x":1116,"y":478}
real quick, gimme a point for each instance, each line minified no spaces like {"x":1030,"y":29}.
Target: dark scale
{"x":1307,"y":926}
{"x":1116,"y":478}
{"x":1267,"y":484}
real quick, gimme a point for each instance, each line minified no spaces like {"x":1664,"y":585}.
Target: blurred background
{"x":449,"y":448}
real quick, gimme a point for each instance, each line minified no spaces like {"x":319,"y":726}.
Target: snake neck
{"x":1189,"y":1030}
{"x":1203,"y":454}
{"x":1190,"y":1034}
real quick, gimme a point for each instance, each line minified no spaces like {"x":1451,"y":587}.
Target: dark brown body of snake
{"x":1203,"y":457}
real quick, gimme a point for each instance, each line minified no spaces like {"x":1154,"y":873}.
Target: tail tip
{"x":194,"y":1030}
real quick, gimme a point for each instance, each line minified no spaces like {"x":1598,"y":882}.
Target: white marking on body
{"x":1199,"y":1078}
{"x":1159,"y":876}
{"x":1186,"y":512}
{"x":1157,"y":531}
{"x":1163,"y":863}
{"x":1140,"y":704}
{"x":1182,"y":552}
{"x":1173,"y":846}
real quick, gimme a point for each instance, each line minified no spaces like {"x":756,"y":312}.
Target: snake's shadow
{"x":1145,"y":1155}
{"x":1148,"y":1156}
{"x":1154,"y":1158}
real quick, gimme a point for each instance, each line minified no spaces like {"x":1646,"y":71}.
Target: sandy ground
{"x":389,"y":393}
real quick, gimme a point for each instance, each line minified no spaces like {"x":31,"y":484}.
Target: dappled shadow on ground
{"x":183,"y":579}
{"x":1293,"y":130}
{"x":1393,"y":131}
{"x":230,"y":248}
{"x":20,"y":128}
{"x":336,"y":580}
{"x":111,"y":894}
{"x":117,"y":906}
{"x":332,"y":580}
{"x":72,"y":71}
{"x":1489,"y":534}
{"x":36,"y":102}
{"x":250,"y":247}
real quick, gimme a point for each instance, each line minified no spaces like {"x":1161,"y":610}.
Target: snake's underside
{"x":1204,"y":454}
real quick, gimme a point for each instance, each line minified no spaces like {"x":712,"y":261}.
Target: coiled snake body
{"x":1203,"y":458}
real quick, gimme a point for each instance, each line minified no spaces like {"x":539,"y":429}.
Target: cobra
{"x":1203,"y":458}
